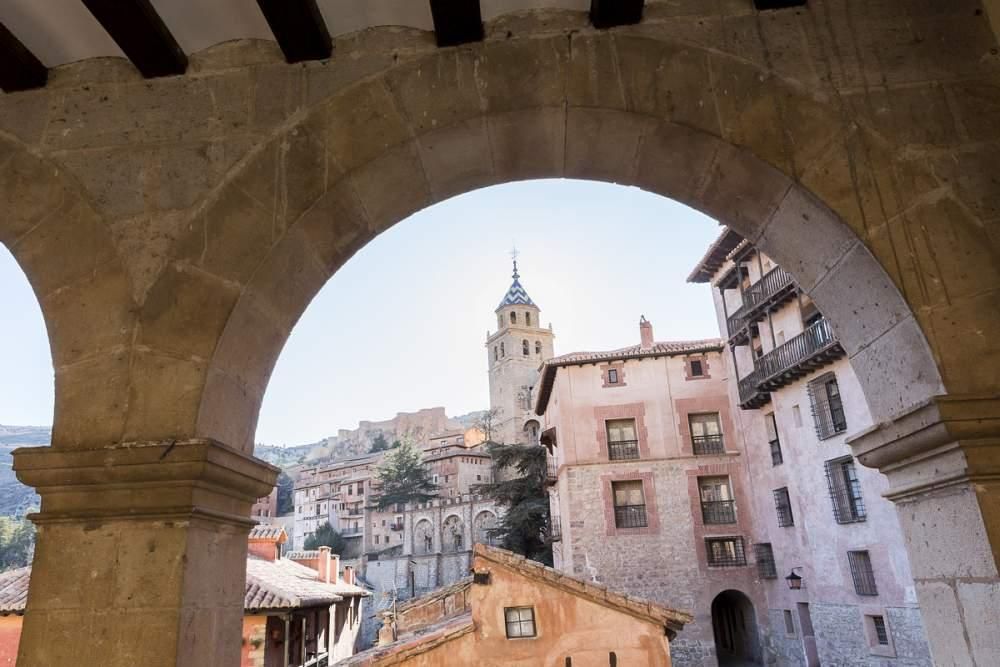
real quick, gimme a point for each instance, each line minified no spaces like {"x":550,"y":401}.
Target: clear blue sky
{"x":402,"y":326}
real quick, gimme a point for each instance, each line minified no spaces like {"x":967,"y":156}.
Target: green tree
{"x":403,"y":478}
{"x":519,"y":487}
{"x":326,"y":536}
{"x":379,"y":443}
{"x":17,"y":542}
{"x":286,"y":488}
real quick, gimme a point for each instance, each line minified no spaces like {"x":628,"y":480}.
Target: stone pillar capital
{"x":943,"y":441}
{"x":170,"y":480}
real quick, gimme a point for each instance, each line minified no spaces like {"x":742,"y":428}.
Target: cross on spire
{"x":513,"y":255}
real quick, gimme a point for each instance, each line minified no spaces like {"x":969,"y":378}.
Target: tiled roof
{"x":658,"y":349}
{"x":14,"y":590}
{"x":464,"y":582}
{"x":516,"y":295}
{"x":715,"y":256}
{"x":414,"y":643}
{"x":264,"y":531}
{"x":285,"y":584}
{"x":671,"y":619}
{"x":282,"y":584}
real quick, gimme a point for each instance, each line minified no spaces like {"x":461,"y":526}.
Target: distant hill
{"x":16,"y":499}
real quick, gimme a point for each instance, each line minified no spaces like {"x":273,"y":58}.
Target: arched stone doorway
{"x":165,"y":323}
{"x":734,"y":623}
{"x":532,"y":431}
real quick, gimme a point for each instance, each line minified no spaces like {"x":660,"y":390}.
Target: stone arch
{"x":261,"y":247}
{"x":423,"y":537}
{"x":453,"y":534}
{"x":484,"y":522}
{"x":66,"y":251}
{"x":734,"y":624}
{"x":532,"y":431}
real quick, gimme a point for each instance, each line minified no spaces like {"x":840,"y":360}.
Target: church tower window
{"x":538,"y":347}
{"x":524,"y":348}
{"x":513,"y":317}
{"x":527,"y":319}
{"x":496,"y":353}
{"x":502,"y":352}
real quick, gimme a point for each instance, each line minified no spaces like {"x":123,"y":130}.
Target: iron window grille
{"x":845,"y":491}
{"x":612,"y":376}
{"x":520,"y":622}
{"x":783,"y":506}
{"x":623,"y":450}
{"x":764,"y":555}
{"x":776,"y":457}
{"x":706,"y":434}
{"x":881,"y":632}
{"x":630,"y":516}
{"x":862,"y":572}
{"x":696,"y":368}
{"x":718,"y":511}
{"x":725,"y":551}
{"x":827,"y":406}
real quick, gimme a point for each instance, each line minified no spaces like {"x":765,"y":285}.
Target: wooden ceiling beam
{"x":457,"y":21}
{"x":611,"y":13}
{"x":299,"y":27}
{"x":19,"y":68}
{"x":141,"y":34}
{"x":778,"y":4}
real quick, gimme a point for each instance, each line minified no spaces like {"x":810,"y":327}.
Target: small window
{"x":513,"y":317}
{"x":496,"y":353}
{"x":845,"y":490}
{"x":797,"y":416}
{"x":783,"y":506}
{"x":764,"y":554}
{"x":502,"y":352}
{"x":789,"y":623}
{"x":538,"y":347}
{"x":725,"y":551}
{"x":706,"y":433}
{"x":862,"y":572}
{"x":881,"y":632}
{"x":773,"y":440}
{"x":527,"y":319}
{"x":630,"y":504}
{"x":376,"y":539}
{"x":520,"y":622}
{"x":612,"y":659}
{"x":612,"y":376}
{"x":524,"y":348}
{"x":623,"y":443}
{"x":696,"y":368}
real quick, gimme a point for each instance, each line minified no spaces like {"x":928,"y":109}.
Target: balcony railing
{"x":708,"y":444}
{"x":396,"y":526}
{"x":810,"y":349}
{"x":773,"y":282}
{"x":350,"y":532}
{"x":718,"y":511}
{"x":630,"y":516}
{"x":623,"y":449}
{"x":555,"y":530}
{"x":736,"y":322}
{"x":551,"y":470}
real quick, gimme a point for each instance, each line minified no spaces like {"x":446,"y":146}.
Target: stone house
{"x":649,"y":491}
{"x":516,"y":611}
{"x":821,"y":515}
{"x":266,"y":507}
{"x":298,"y":611}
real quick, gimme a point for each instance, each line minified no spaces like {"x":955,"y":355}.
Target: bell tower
{"x":514,"y":353}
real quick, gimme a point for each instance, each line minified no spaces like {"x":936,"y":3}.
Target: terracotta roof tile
{"x":415,"y":643}
{"x":715,"y":256}
{"x":14,"y":590}
{"x":263,"y":531}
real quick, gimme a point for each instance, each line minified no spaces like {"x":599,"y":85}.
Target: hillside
{"x":16,"y":499}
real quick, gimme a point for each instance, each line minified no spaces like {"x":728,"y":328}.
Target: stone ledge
{"x":145,"y":480}
{"x":940,"y":442}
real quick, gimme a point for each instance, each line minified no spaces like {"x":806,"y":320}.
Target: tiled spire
{"x":516,"y":295}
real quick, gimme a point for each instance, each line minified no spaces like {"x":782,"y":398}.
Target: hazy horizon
{"x":402,"y":326}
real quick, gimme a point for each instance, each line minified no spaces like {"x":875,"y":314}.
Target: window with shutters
{"x":623,"y":443}
{"x":827,"y":406}
{"x":845,"y":490}
{"x":717,"y":504}
{"x":773,"y":440}
{"x":706,"y":434}
{"x":630,"y":504}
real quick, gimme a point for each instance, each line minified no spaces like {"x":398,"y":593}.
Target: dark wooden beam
{"x":299,"y":28}
{"x":19,"y":68}
{"x":611,"y":13}
{"x":778,"y":4}
{"x":457,"y":21}
{"x":141,"y":34}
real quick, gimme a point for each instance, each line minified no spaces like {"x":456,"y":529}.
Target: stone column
{"x":942,"y":459}
{"x":141,"y":554}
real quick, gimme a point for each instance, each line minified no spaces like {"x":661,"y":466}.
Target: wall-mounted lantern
{"x":794,"y":580}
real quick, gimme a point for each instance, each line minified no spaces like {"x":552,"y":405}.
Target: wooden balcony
{"x":765,"y":295}
{"x":551,"y":471}
{"x":813,"y":348}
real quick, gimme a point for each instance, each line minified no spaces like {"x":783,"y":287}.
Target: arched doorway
{"x":734,"y":624}
{"x":532,"y":430}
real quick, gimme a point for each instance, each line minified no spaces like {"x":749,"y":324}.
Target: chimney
{"x":323,"y":566}
{"x":645,"y":333}
{"x":348,"y":575}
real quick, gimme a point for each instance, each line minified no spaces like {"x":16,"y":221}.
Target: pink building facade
{"x":649,"y":487}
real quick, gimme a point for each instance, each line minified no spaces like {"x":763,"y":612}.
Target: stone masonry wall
{"x":841,"y":639}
